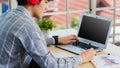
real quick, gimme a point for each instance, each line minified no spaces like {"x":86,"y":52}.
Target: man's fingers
{"x":91,"y":48}
{"x":73,"y":40}
{"x":72,"y":37}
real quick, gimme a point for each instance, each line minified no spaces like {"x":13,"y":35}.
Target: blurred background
{"x":67,"y":13}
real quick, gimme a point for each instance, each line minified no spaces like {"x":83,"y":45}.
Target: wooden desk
{"x":59,"y":53}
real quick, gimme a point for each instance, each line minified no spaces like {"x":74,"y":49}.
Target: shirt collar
{"x":23,"y":10}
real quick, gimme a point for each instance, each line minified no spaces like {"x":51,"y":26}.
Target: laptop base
{"x":71,"y":48}
{"x":76,"y":49}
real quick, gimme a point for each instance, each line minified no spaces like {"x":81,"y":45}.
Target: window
{"x":67,"y":10}
{"x":117,"y":26}
{"x":74,"y":20}
{"x":65,"y":13}
{"x":104,"y":3}
{"x":118,"y":3}
{"x":59,"y":20}
{"x":78,"y":4}
{"x":110,"y":9}
{"x":75,"y":9}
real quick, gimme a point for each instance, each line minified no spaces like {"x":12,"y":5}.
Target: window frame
{"x":91,"y":9}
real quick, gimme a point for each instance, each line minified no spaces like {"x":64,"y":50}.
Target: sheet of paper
{"x":106,"y":61}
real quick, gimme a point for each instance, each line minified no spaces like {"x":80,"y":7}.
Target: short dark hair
{"x":22,"y":2}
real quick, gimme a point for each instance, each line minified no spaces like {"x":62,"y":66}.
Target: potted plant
{"x":46,"y":24}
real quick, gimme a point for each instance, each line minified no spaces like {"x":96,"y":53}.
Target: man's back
{"x":11,"y":51}
{"x":18,"y":35}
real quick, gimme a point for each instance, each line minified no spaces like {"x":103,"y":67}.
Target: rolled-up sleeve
{"x":35,"y":45}
{"x":50,"y":41}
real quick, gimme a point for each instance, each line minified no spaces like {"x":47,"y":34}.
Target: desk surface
{"x":59,"y":53}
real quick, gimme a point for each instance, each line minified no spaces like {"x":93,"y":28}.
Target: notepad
{"x":106,"y":61}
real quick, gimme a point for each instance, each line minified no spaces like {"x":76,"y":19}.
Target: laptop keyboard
{"x":84,"y":46}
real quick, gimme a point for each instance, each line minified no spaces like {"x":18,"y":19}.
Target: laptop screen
{"x":94,"y":29}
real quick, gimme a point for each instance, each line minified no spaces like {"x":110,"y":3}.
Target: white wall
{"x":12,"y":4}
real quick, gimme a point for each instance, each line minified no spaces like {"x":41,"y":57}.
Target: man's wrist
{"x":56,"y":40}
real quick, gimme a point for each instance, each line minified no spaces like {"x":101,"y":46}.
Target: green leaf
{"x":46,"y":24}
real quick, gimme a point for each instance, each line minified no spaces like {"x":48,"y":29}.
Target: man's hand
{"x":67,"y":39}
{"x":87,"y":55}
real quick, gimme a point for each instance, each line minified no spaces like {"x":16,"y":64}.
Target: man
{"x":20,"y":36}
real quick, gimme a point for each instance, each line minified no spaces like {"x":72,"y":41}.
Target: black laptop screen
{"x":94,"y":29}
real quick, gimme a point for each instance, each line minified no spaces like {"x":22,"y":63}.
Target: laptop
{"x":93,"y":32}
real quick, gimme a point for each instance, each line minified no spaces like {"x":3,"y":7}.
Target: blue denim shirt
{"x":20,"y":36}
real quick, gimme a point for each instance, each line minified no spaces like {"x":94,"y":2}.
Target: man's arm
{"x":34,"y":43}
{"x":50,"y":41}
{"x":63,"y":40}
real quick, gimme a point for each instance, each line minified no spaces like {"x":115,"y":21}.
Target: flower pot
{"x":45,"y":33}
